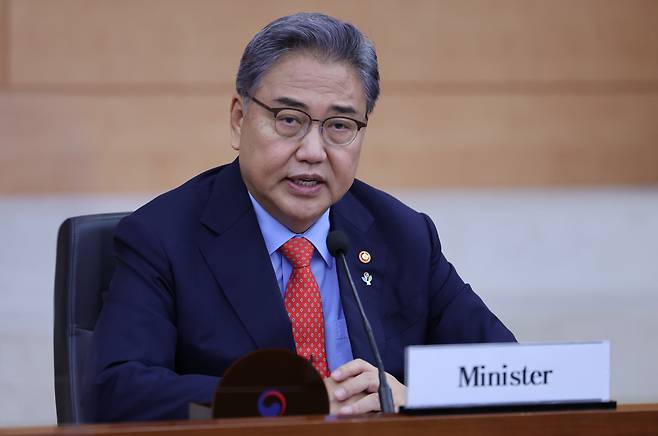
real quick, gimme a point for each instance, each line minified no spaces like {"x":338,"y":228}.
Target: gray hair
{"x":323,"y":36}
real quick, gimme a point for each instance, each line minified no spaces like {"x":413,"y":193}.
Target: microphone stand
{"x":385,"y":394}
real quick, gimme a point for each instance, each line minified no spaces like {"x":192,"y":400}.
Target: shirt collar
{"x":276,"y":234}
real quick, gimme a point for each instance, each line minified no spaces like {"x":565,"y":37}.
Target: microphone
{"x":338,"y":245}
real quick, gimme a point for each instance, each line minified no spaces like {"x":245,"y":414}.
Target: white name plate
{"x":471,"y":375}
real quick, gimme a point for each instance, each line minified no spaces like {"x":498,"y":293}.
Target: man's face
{"x":296,"y":180}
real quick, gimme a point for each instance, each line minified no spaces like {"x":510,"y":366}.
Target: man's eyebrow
{"x":347,"y":110}
{"x":291,"y":102}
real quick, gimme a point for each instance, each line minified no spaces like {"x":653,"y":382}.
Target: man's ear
{"x":237,"y":116}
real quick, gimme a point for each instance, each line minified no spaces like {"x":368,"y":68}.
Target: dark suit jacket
{"x":194,"y":290}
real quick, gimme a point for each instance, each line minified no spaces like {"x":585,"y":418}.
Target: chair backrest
{"x":84,"y":268}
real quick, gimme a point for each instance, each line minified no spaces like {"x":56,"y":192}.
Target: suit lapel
{"x":236,"y":254}
{"x":351,"y":217}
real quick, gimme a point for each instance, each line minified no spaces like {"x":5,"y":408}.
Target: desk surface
{"x":628,"y":420}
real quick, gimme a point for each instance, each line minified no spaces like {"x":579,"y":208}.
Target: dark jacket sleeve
{"x":457,"y":314}
{"x":132,"y":363}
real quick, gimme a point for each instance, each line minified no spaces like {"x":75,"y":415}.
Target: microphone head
{"x":337,"y":243}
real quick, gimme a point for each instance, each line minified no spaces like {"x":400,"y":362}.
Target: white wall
{"x":553,"y":264}
{"x":563,"y":265}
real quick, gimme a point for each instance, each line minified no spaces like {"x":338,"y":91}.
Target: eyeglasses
{"x":295,"y":123}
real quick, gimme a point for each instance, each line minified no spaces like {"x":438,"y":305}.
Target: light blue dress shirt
{"x":323,"y":265}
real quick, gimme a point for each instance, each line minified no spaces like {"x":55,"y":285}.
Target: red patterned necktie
{"x":304,"y":304}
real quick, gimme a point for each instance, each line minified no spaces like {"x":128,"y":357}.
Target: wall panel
{"x":106,"y":143}
{"x":511,"y":40}
{"x":163,"y":41}
{"x":133,"y":94}
{"x":4,"y":43}
{"x":518,"y":140}
{"x":84,"y":143}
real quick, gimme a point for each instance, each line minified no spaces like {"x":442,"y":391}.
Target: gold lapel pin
{"x":364,"y":256}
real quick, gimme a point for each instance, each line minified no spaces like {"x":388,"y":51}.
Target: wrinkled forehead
{"x":305,"y":76}
{"x":322,"y":64}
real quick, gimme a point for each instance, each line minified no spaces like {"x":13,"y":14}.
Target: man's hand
{"x":352,"y":389}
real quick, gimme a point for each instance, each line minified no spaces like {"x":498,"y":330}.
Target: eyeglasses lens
{"x":291,"y":123}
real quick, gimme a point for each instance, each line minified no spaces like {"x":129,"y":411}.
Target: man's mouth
{"x":306,"y":181}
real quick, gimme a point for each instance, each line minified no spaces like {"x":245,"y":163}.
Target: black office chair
{"x":85,"y":265}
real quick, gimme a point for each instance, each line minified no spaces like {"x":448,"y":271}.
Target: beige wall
{"x":133,"y":95}
{"x":4,"y":43}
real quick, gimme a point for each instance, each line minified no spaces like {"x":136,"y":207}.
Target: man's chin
{"x":300,"y":217}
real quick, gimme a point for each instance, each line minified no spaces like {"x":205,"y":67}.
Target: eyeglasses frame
{"x":275,"y":111}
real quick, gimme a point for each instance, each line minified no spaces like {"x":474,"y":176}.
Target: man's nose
{"x":311,"y":147}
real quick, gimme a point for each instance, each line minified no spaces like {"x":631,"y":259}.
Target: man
{"x":207,"y":272}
